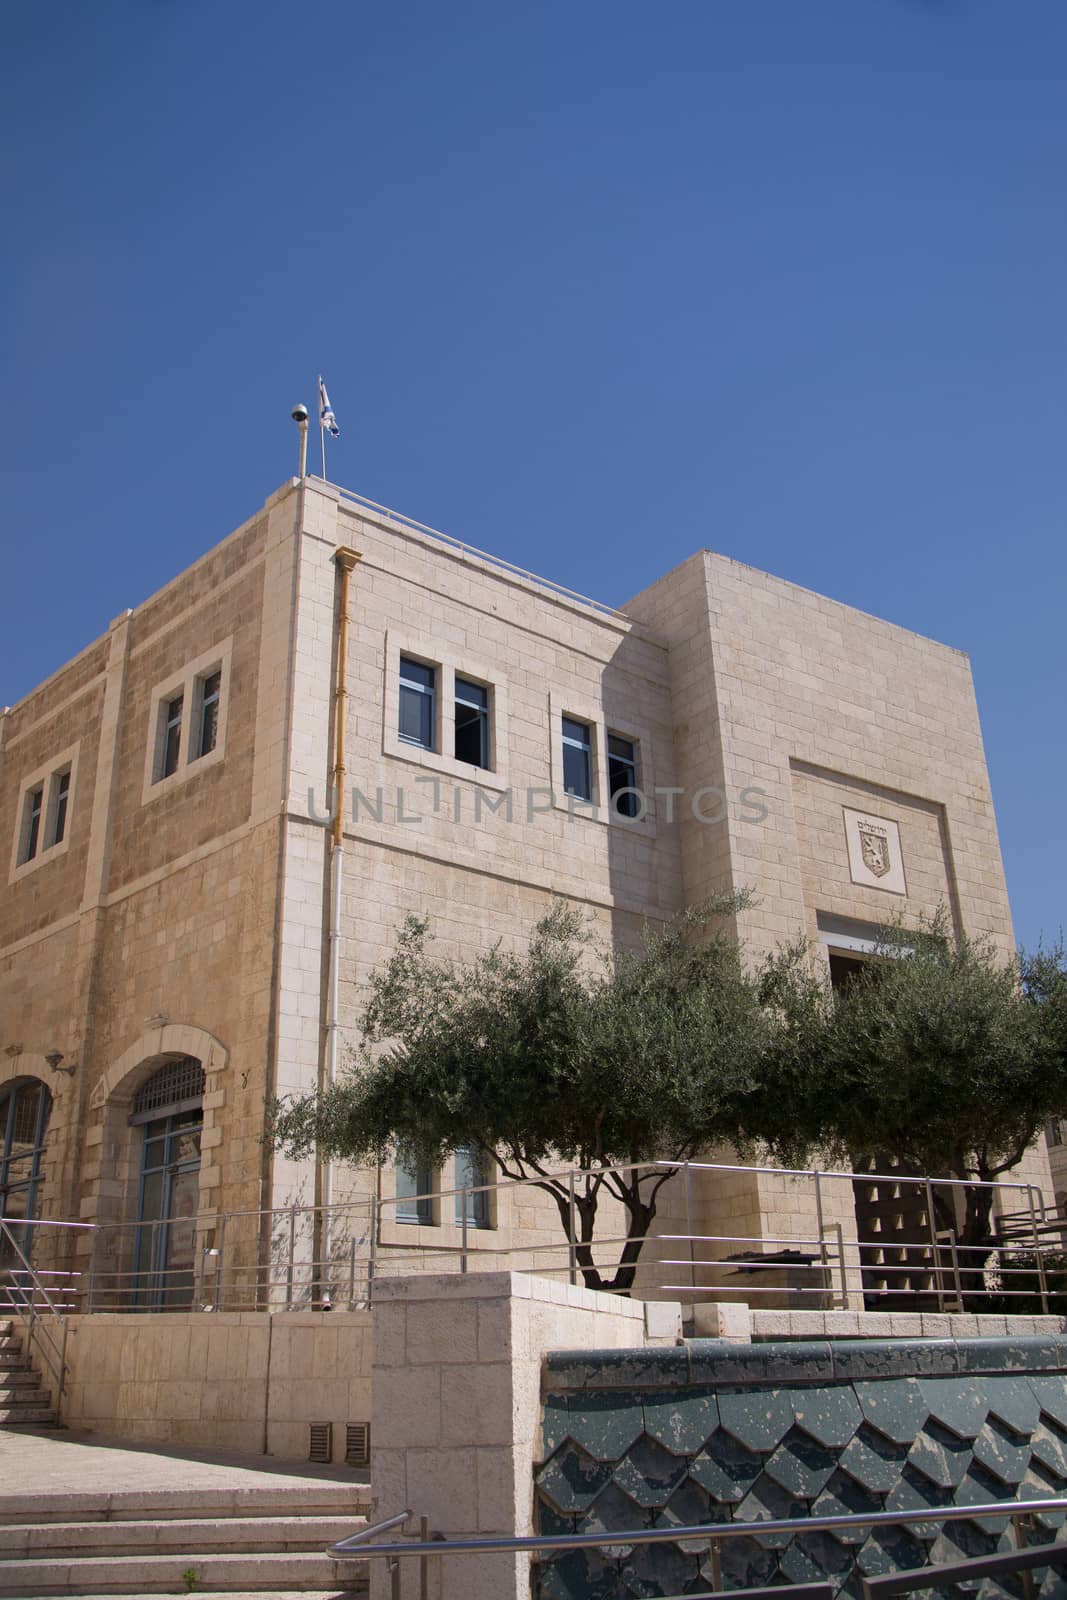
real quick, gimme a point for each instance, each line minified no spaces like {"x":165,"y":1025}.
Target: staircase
{"x":256,"y":1541}
{"x":23,"y":1401}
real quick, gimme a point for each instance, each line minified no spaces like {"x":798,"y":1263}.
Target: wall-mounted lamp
{"x":54,"y":1057}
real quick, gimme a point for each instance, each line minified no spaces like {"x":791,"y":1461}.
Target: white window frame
{"x":448,"y":662}
{"x":600,"y":724}
{"x":188,"y":682}
{"x":46,"y":777}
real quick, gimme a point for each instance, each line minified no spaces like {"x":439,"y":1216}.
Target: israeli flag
{"x":326,"y":416}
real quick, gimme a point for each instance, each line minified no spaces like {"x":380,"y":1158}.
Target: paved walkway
{"x":66,"y":1461}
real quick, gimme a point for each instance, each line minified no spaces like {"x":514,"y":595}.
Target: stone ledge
{"x":716,"y":1362}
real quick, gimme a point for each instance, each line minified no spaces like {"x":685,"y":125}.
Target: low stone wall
{"x":246,"y":1381}
{"x":714,"y":1432}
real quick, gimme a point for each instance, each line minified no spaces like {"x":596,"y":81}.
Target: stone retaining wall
{"x":240,"y":1381}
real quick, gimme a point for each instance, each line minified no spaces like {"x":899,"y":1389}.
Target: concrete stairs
{"x":23,"y":1399}
{"x":255,"y":1541}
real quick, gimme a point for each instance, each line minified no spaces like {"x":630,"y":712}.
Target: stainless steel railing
{"x":24,"y":1294}
{"x":247,"y":1260}
{"x":714,"y":1534}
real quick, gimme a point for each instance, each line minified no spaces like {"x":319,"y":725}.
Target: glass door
{"x":170,"y":1191}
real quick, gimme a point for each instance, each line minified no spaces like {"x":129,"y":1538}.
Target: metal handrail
{"x":52,"y":1346}
{"x":713,"y":1531}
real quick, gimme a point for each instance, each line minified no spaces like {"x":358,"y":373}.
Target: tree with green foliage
{"x":547,"y":1058}
{"x":947,"y":1056}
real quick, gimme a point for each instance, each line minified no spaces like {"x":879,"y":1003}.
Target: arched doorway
{"x":168,"y":1114}
{"x":25,"y":1106}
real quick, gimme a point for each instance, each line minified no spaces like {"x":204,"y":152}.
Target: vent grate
{"x":357,"y":1444}
{"x":320,"y":1443}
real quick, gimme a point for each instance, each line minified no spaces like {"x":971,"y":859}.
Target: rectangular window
{"x":472,"y":723}
{"x":210,"y":688}
{"x":471,"y":1199}
{"x":414,"y":1192}
{"x":32,"y":824}
{"x":60,"y":801}
{"x":418,"y":695}
{"x":577,"y":759}
{"x":622,"y":775}
{"x":172,"y":735}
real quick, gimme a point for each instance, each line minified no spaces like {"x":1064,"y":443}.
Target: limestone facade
{"x":184,"y":912}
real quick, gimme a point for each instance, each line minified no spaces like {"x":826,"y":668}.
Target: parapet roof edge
{"x":499,"y":566}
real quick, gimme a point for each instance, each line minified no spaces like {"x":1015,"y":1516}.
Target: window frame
{"x":46,"y":780}
{"x":428,"y":696}
{"x":187,"y":682}
{"x":482,"y":720}
{"x":604,"y":724}
{"x":449,"y":662}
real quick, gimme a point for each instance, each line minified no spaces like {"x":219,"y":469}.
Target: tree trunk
{"x":639,"y":1215}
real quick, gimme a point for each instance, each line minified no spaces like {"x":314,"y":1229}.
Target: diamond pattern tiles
{"x":684,"y":1455}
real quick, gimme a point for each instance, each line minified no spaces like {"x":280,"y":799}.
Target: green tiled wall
{"x":708,"y":1432}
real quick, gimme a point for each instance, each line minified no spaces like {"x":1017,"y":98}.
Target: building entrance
{"x":169,"y":1109}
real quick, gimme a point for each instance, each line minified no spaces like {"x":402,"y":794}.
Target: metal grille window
{"x":357,"y":1444}
{"x":170,"y":1087}
{"x":577,"y":759}
{"x":24,"y":1111}
{"x":320,"y":1441}
{"x":622,"y":775}
{"x":418,"y":698}
{"x":210,"y":689}
{"x":472,"y":723}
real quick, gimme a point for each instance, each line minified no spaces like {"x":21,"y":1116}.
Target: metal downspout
{"x":346,"y":560}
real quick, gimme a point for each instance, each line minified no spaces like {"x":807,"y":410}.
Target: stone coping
{"x":716,"y":1362}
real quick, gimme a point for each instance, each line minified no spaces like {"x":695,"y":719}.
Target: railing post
{"x":935,"y":1252}
{"x":424,"y":1565}
{"x":463,"y":1225}
{"x":1039,"y":1258}
{"x":372,"y":1254}
{"x":572,"y":1253}
{"x":821,"y":1224}
{"x":220,"y":1261}
{"x":1019,"y":1528}
{"x":840,"y":1232}
{"x":92,"y":1269}
{"x":352,"y":1273}
{"x":689,"y":1224}
{"x":292,"y":1253}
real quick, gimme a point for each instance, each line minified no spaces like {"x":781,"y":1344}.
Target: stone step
{"x":325,"y":1499}
{"x":17,"y":1378}
{"x":62,"y":1541}
{"x":36,"y":1412}
{"x":191,"y":1572}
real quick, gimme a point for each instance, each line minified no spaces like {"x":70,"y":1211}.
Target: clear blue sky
{"x":592,"y":285}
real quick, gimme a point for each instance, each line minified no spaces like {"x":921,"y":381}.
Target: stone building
{"x":165,"y":925}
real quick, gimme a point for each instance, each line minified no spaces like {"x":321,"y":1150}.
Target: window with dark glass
{"x":172,"y":735}
{"x":24,"y":1109}
{"x":414,"y":1191}
{"x":32,"y":823}
{"x":472,"y":723}
{"x":60,"y":801}
{"x":622,"y":775}
{"x":209,"y":714}
{"x":577,"y":759}
{"x":472,"y":1199}
{"x":418,"y":695}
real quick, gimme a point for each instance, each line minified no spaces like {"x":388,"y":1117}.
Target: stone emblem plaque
{"x":874,"y":856}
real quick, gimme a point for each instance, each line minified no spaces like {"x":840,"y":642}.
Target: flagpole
{"x":322,"y":432}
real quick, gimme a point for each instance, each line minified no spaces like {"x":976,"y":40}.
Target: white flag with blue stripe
{"x":326,"y":417}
